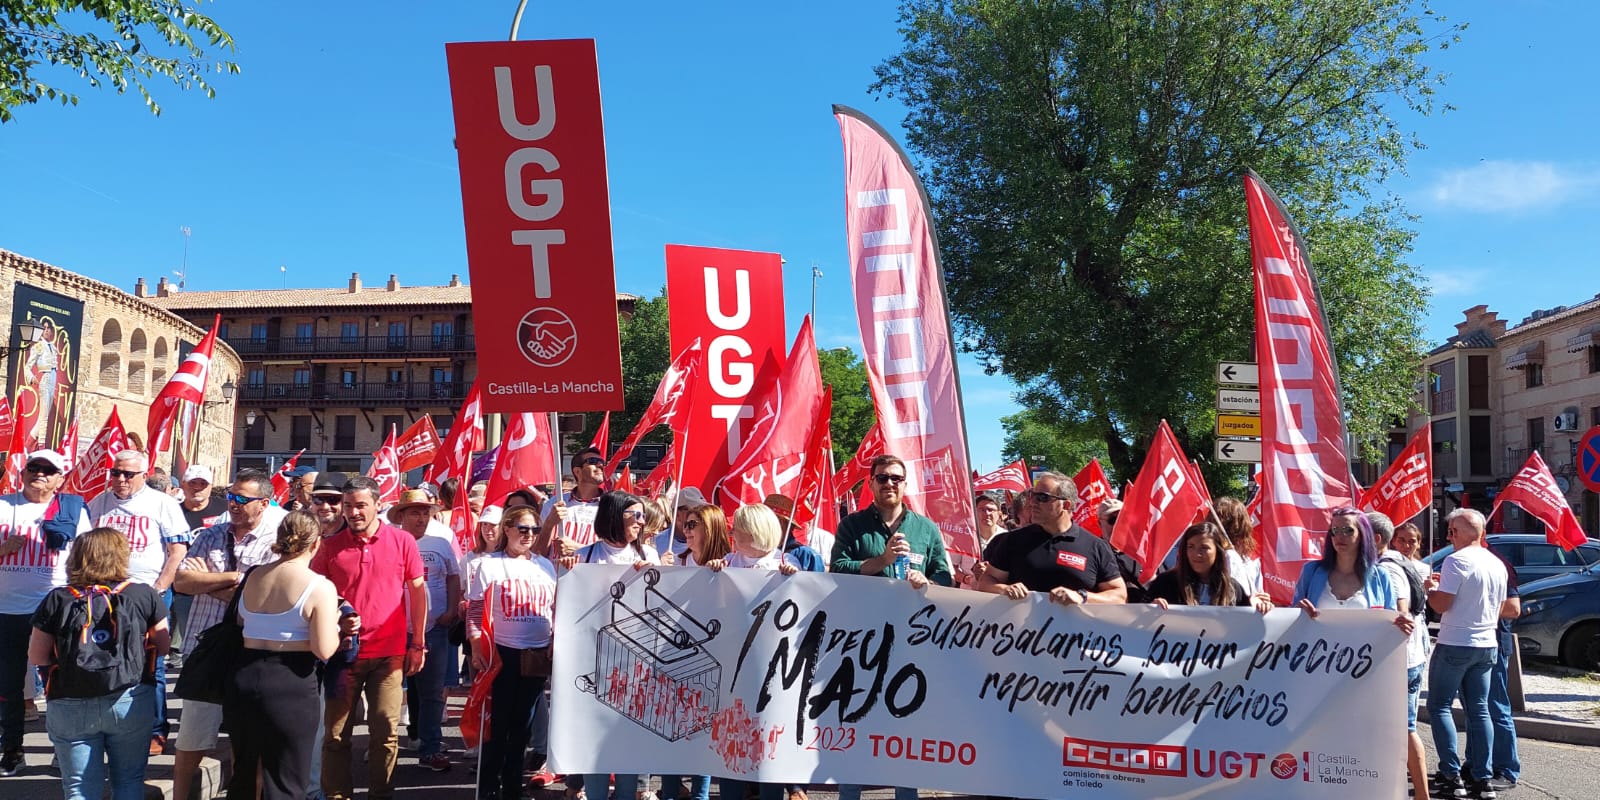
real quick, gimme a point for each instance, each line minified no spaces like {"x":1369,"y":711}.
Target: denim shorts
{"x":1413,"y":694}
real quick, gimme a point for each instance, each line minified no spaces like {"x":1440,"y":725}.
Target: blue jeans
{"x":699,"y":787}
{"x":429,"y":686}
{"x":1465,"y":671}
{"x":595,"y":786}
{"x":87,"y":732}
{"x":851,"y":791}
{"x":1413,"y":693}
{"x":1505,"y":763}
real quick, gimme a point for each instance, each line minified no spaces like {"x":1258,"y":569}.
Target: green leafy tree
{"x":1084,"y":159}
{"x":853,"y":413}
{"x":146,"y":40}
{"x":1046,"y":443}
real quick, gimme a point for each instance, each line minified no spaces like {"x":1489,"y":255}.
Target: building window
{"x":257,"y":377}
{"x":442,"y":423}
{"x":305,"y":333}
{"x":1479,"y":454}
{"x":443,"y":333}
{"x":300,"y":433}
{"x":1478,"y":383}
{"x":255,"y":436}
{"x":1594,"y":359}
{"x":397,"y":336}
{"x":1536,"y":434}
{"x":344,"y":433}
{"x":443,"y":380}
{"x":349,"y":466}
{"x":302,"y":376}
{"x":258,"y":332}
{"x":1442,"y":399}
{"x":222,"y":331}
{"x":1533,"y":375}
{"x":350,"y":332}
{"x":348,"y":378}
{"x":394,"y":423}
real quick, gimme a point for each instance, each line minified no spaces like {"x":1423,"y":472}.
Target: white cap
{"x":52,"y":457}
{"x":490,"y":515}
{"x":197,"y":471}
{"x":691,"y":498}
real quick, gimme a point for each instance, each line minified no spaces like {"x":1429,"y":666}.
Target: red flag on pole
{"x":1534,"y":489}
{"x":418,"y":445}
{"x":88,"y":477}
{"x":524,"y":458}
{"x":657,"y":480}
{"x":16,"y":459}
{"x":280,"y":479}
{"x":69,"y":444}
{"x":1406,"y":487}
{"x":1306,"y":472}
{"x":454,"y":459}
{"x":6,"y":420}
{"x":670,"y":405}
{"x":625,"y":479}
{"x":859,"y":467}
{"x":770,"y":460}
{"x":1012,"y":477}
{"x":1093,"y":489}
{"x":602,"y":436}
{"x":385,"y":470}
{"x":1160,"y":504}
{"x":187,"y":385}
{"x":811,"y":492}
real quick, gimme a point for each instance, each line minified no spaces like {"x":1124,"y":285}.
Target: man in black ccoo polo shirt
{"x":1053,"y":555}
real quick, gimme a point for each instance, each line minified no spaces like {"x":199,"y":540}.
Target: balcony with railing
{"x":344,"y":346}
{"x":1442,"y":401}
{"x":339,"y":393}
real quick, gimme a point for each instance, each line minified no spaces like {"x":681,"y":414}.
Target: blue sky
{"x":331,"y":153}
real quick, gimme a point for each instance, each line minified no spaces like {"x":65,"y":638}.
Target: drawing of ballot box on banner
{"x":650,"y":664}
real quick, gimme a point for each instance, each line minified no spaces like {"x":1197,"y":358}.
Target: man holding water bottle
{"x":1053,"y":555}
{"x":888,"y":539}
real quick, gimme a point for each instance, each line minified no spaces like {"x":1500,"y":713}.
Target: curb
{"x":1544,"y":730}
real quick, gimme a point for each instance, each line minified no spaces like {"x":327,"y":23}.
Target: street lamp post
{"x":816,"y":272}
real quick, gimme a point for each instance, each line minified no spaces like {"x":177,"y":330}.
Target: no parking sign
{"x":1588,"y":459}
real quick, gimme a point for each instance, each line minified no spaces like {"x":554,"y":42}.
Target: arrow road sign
{"x":1231,"y":399}
{"x":1237,"y":372}
{"x":1238,"y":425}
{"x":1239,"y":451}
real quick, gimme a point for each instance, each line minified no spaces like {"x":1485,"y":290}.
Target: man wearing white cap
{"x":158,"y":539}
{"x":37,"y":525}
{"x":201,"y":507}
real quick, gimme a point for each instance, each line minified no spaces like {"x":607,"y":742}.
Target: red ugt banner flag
{"x":1093,"y":489}
{"x":816,"y":477}
{"x":1406,"y":487}
{"x":1012,"y":477}
{"x":744,"y":347}
{"x":1160,"y":504}
{"x":1306,"y":473}
{"x":538,"y":224}
{"x":1535,"y":491}
{"x":905,"y":325}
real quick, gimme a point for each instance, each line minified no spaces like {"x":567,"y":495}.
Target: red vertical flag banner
{"x":772,"y":455}
{"x":602,"y":436}
{"x":531,"y":147}
{"x":1406,"y":487}
{"x":905,"y":327}
{"x":1306,"y":472}
{"x":524,"y":458}
{"x":1160,"y":504}
{"x":385,"y":469}
{"x":1534,"y":489}
{"x":718,"y":291}
{"x":1093,"y":489}
{"x":187,"y":385}
{"x":88,"y":477}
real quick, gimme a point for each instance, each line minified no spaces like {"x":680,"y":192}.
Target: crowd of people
{"x":348,"y":610}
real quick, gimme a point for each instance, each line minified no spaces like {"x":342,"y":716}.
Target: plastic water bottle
{"x":902,"y":566}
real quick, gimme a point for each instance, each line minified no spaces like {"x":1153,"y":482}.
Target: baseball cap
{"x":691,"y":498}
{"x":197,"y":472}
{"x":50,"y":457}
{"x":491,"y":515}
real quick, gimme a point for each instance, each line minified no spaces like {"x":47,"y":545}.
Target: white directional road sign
{"x":1239,"y":373}
{"x":1247,"y":400}
{"x":1239,"y":451}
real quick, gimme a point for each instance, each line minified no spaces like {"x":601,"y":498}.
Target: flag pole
{"x":555,"y":453}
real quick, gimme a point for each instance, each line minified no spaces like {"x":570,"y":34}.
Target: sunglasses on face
{"x":125,"y":473}
{"x":886,"y":478}
{"x":525,"y":530}
{"x":1343,"y":532}
{"x":324,"y":501}
{"x":634,"y":515}
{"x":42,"y":469}
{"x":593,"y":461}
{"x":242,"y":500}
{"x":690,"y":525}
{"x":1044,"y":497}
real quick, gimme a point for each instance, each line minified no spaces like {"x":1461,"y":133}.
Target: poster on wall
{"x":43,"y":369}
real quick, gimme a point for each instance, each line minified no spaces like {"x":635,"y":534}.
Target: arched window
{"x":110,"y":369}
{"x":111,"y":336}
{"x":137,"y":343}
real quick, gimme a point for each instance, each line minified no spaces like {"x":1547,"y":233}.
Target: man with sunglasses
{"x":158,"y":540}
{"x":869,"y":541}
{"x":326,"y":502}
{"x":1053,"y":555}
{"x":37,"y":526}
{"x":569,"y":520}
{"x":217,"y":561}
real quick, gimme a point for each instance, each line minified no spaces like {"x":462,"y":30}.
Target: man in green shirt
{"x":869,"y":540}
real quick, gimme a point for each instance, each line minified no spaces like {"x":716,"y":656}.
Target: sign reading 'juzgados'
{"x":819,"y":678}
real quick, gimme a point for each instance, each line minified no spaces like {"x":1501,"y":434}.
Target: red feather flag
{"x":525,"y":457}
{"x":771,"y":458}
{"x":280,"y":479}
{"x":1160,"y":504}
{"x":859,"y":467}
{"x":454,"y":459}
{"x":812,"y":493}
{"x":1012,"y":477}
{"x":602,"y":436}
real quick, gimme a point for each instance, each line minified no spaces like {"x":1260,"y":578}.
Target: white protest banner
{"x":817,"y":678}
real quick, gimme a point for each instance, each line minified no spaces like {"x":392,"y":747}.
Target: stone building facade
{"x":126,"y":350}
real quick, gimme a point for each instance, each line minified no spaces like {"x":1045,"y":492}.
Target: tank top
{"x":285,"y":626}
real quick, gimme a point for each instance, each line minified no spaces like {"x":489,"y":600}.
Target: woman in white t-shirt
{"x":757,"y":542}
{"x":510,"y":599}
{"x":619,"y":538}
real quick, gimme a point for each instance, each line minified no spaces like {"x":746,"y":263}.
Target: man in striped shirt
{"x":217,"y":561}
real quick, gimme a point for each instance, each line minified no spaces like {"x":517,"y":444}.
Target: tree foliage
{"x":1046,"y":443}
{"x":147,"y":39}
{"x":853,"y":413}
{"x":1084,"y":159}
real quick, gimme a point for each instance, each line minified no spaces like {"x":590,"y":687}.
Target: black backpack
{"x":99,"y":651}
{"x":1419,"y":594}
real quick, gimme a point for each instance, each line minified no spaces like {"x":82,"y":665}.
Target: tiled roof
{"x":1566,"y":313}
{"x":367,"y":297}
{"x":1473,"y":340}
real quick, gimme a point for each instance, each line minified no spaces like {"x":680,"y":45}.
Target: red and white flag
{"x":69,"y":445}
{"x":773,"y":453}
{"x":1306,"y":472}
{"x":859,"y":467}
{"x":280,"y":479}
{"x":385,"y":470}
{"x":1160,"y":504}
{"x":625,"y":479}
{"x":670,"y":405}
{"x":6,"y":420}
{"x":1093,"y":489}
{"x":418,"y":445}
{"x":1534,"y":489}
{"x":909,"y":347}
{"x":454,"y":460}
{"x":602,"y":436}
{"x":525,"y":457}
{"x":88,"y":477}
{"x":187,"y":385}
{"x":656,"y":482}
{"x":1012,"y":477}
{"x":813,"y":492}
{"x":16,"y":459}
{"x":1406,"y":487}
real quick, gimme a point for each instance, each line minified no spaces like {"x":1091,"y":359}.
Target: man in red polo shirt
{"x":376,"y":568}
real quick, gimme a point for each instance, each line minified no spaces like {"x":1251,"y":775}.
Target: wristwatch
{"x":1083,"y":596}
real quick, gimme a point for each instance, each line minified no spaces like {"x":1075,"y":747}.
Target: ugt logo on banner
{"x":531,"y":145}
